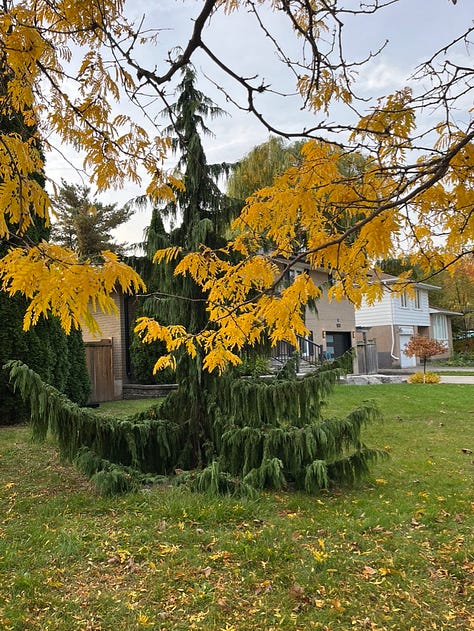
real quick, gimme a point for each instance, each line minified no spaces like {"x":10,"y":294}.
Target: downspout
{"x":392,"y":329}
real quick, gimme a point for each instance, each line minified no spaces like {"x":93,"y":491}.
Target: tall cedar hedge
{"x":59,"y":360}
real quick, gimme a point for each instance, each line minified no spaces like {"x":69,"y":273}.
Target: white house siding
{"x":392,"y":325}
{"x":409,"y":315}
{"x":378,"y":314}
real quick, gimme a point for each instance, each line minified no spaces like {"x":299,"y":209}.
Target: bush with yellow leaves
{"x":428,"y":377}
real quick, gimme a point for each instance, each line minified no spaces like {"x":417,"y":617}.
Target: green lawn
{"x":393,"y":553}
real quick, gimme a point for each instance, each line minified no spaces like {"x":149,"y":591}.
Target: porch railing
{"x":307,"y":350}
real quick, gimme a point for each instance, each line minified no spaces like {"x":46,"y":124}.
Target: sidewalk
{"x":457,"y":379}
{"x":465,"y":379}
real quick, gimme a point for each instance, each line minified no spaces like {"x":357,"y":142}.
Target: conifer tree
{"x":84,"y":224}
{"x":143,"y":356}
{"x":236,"y":434}
{"x":46,"y":348}
{"x":266,"y":432}
{"x":203,"y":212}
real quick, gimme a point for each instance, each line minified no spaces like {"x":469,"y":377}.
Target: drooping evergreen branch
{"x":262,"y":434}
{"x":145,"y":444}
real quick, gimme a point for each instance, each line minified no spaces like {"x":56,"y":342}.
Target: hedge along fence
{"x":264,"y":435}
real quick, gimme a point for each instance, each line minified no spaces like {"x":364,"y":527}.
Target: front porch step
{"x":304,"y":367}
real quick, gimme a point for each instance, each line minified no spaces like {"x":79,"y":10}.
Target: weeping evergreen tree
{"x":232,"y":434}
{"x":143,"y":356}
{"x":201,"y":212}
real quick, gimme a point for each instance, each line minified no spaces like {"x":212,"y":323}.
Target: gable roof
{"x":435,"y":310}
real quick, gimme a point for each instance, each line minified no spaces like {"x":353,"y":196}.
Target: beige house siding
{"x":330,"y":317}
{"x":387,"y":339}
{"x":389,"y":349}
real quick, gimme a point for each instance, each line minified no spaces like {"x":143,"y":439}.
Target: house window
{"x":404,"y":300}
{"x":290,"y":276}
{"x":439,"y":327}
{"x":417,"y":299}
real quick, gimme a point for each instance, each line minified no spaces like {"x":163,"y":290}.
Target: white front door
{"x":405,"y":361}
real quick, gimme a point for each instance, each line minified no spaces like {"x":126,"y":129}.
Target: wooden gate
{"x":100,"y":367}
{"x":367,"y":358}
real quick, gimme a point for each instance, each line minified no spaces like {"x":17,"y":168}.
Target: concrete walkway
{"x":465,"y":379}
{"x":369,"y":380}
{"x":457,"y":379}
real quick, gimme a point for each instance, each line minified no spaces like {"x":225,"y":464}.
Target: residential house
{"x":332,"y":329}
{"x":397,"y":317}
{"x":332,"y":324}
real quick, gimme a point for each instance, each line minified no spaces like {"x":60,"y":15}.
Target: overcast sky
{"x":415,"y":29}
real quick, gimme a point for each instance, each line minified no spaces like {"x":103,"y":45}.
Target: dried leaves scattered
{"x":394,"y":554}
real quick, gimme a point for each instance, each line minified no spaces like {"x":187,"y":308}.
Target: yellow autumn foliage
{"x":427,"y":377}
{"x":317,"y":214}
{"x":55,"y":281}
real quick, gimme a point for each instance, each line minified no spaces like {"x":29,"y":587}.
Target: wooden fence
{"x":100,"y":367}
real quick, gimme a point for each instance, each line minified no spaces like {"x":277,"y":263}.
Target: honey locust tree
{"x":236,"y":434}
{"x":70,"y":66}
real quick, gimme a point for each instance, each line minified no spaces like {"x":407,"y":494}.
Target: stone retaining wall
{"x":366,"y":380}
{"x":138,"y":391}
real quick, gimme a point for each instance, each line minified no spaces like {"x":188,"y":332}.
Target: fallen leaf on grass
{"x":166,"y":548}
{"x":296,"y":592}
{"x":368,"y":571}
{"x":264,"y":588}
{"x":363,"y":624}
{"x":222,"y":554}
{"x":223,"y":604}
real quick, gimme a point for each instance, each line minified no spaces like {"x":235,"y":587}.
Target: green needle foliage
{"x":84,"y":224}
{"x":58,"y":358}
{"x":263,"y":436}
